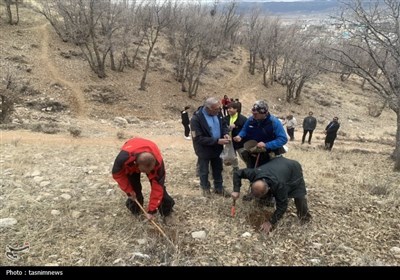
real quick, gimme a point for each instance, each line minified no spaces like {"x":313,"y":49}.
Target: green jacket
{"x":284,"y":177}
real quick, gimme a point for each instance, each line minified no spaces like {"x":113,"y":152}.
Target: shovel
{"x":233,"y":210}
{"x":155,"y":224}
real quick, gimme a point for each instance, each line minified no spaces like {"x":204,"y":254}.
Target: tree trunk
{"x":265,"y":68}
{"x":9,"y":13}
{"x":112,"y":60}
{"x":252,"y":65}
{"x":396,"y":152}
{"x":17,"y":11}
{"x":299,"y":89}
{"x":146,"y":68}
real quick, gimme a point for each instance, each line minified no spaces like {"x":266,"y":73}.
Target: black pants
{"x":310,"y":132}
{"x":302,"y":209}
{"x":165,"y":207}
{"x":290,"y":132}
{"x":329,"y":140}
{"x":187,"y":129}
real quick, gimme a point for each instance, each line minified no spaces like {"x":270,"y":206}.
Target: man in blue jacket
{"x":264,"y":128}
{"x":210,"y":133}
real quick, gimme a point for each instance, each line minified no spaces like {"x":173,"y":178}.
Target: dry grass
{"x":67,"y":206}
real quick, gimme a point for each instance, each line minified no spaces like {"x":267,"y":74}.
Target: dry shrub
{"x":75,"y":131}
{"x":121,"y":135}
{"x":7,"y":100}
{"x":48,"y":128}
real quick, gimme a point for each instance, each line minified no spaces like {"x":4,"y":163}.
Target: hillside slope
{"x":59,"y":189}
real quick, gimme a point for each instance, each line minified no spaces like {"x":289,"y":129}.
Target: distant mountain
{"x":316,"y":6}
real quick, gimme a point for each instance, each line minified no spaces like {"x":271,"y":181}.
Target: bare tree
{"x":182,"y":36}
{"x":111,"y":23}
{"x":373,"y":27}
{"x":197,"y":39}
{"x":232,"y":22}
{"x":300,"y":61}
{"x":255,"y":26}
{"x":132,"y":37}
{"x":81,"y":24}
{"x":155,"y":16}
{"x":270,"y":49}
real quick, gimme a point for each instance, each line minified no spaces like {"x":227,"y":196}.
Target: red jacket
{"x":125,"y":164}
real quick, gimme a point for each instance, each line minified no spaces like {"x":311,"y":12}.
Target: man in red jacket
{"x":141,"y":155}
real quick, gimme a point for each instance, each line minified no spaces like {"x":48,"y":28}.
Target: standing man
{"x":139,"y":155}
{"x":235,"y":121}
{"x":186,"y":121}
{"x":290,"y":126}
{"x":264,"y":128}
{"x":209,"y":134}
{"x":309,"y":125}
{"x":331,"y":133}
{"x":281,"y":177}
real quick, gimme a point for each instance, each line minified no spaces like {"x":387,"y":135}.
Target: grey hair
{"x":210,"y":102}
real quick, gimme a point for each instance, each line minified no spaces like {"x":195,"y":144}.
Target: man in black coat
{"x":284,"y":179}
{"x":309,"y":125}
{"x":210,"y":133}
{"x":331,"y":133}
{"x":186,"y":121}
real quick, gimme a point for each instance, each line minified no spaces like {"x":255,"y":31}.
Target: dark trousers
{"x":302,"y":208}
{"x":329,"y":140}
{"x":165,"y":207}
{"x":187,"y":129}
{"x":290,"y":132}
{"x":310,"y":132}
{"x":216,"y":169}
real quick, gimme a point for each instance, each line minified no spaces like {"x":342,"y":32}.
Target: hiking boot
{"x":131,"y":205}
{"x":306,"y":219}
{"x":222,"y":193}
{"x":248,"y":197}
{"x":206,"y":193}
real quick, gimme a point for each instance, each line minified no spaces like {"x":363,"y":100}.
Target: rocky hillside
{"x":57,"y":193}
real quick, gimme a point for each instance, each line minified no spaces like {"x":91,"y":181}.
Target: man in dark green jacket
{"x":284,"y":179}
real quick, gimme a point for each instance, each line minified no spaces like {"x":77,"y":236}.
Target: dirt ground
{"x":57,"y":193}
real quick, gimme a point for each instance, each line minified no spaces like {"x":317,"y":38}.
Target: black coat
{"x":205,"y":146}
{"x":239,"y":123}
{"x":309,"y":123}
{"x":331,"y":130}
{"x":284,"y":177}
{"x":185,"y":117}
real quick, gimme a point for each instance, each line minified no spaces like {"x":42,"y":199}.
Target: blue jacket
{"x":270,"y":131}
{"x":205,"y":146}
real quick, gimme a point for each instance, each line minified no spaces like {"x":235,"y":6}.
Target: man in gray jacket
{"x":309,"y":125}
{"x":284,"y":179}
